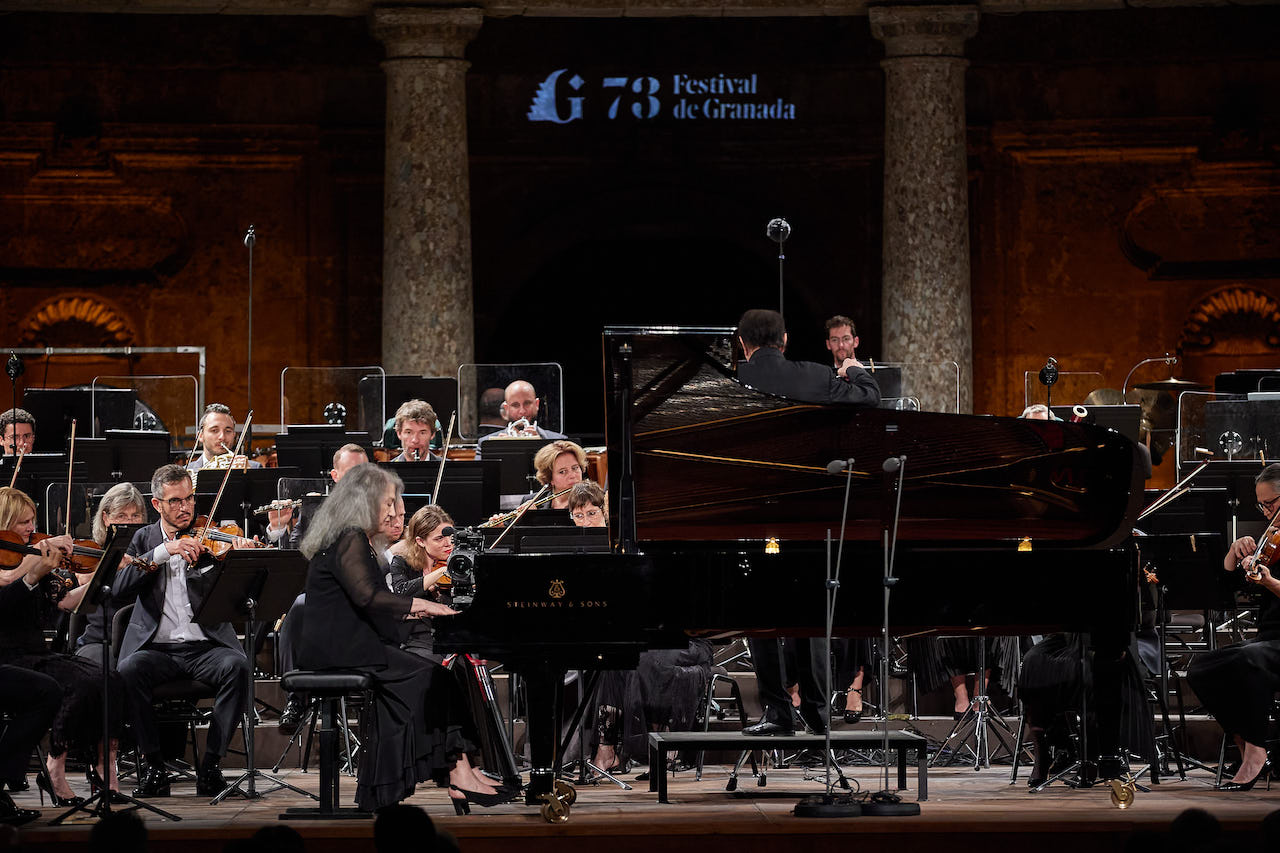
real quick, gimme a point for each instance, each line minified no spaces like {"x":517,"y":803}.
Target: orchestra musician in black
{"x":763,"y":337}
{"x":1238,"y":684}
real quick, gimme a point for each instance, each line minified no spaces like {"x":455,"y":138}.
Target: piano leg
{"x":544,"y":685}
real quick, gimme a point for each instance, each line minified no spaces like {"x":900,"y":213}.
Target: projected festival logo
{"x":562,"y":99}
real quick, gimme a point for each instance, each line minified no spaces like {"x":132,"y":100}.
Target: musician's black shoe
{"x":209,"y":781}
{"x":153,"y":781}
{"x":12,"y":815}
{"x":769,"y":727}
{"x":294,"y":710}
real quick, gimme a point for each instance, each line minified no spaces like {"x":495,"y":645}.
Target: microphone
{"x":250,"y":238}
{"x":893,"y":463}
{"x":1049,"y":373}
{"x":14,"y":367}
{"x":447,"y":531}
{"x":836,"y":466}
{"x":778,"y":230}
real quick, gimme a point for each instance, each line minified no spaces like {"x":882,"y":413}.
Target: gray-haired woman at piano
{"x":1238,"y":684}
{"x":355,"y":622}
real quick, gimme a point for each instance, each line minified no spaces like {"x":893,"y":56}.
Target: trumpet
{"x":500,"y":520}
{"x":517,"y":427}
{"x":276,"y":506}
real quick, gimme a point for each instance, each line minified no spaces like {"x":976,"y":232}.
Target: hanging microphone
{"x":893,"y":463}
{"x":778,"y":230}
{"x":836,"y":466}
{"x":250,"y":238}
{"x":1049,"y":373}
{"x":14,"y":367}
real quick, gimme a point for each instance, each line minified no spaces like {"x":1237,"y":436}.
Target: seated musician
{"x":32,"y":595}
{"x":217,"y":439}
{"x":418,"y":564}
{"x":842,"y":340}
{"x":588,"y":506}
{"x":163,"y":644}
{"x":562,"y":464}
{"x":17,"y":432}
{"x":520,"y":411}
{"x":415,"y":427}
{"x":355,"y":622}
{"x":1238,"y":684}
{"x":763,"y":337}
{"x":290,"y":633}
{"x":489,"y":412}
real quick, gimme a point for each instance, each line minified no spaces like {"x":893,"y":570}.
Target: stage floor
{"x":966,"y":810}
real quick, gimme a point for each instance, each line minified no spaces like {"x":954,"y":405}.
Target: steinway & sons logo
{"x":561,"y":99}
{"x":556,"y":597}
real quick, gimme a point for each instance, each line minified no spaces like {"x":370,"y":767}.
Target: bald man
{"x":520,"y":402}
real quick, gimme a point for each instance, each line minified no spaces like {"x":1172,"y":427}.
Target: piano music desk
{"x":661,"y":743}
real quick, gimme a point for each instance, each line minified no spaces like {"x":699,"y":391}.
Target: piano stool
{"x":662,"y":743}
{"x":329,"y":688}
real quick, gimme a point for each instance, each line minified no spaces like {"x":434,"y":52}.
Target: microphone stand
{"x":14,"y":368}
{"x":886,"y":803}
{"x":828,"y":804}
{"x":250,"y":238}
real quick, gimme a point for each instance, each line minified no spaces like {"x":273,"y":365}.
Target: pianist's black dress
{"x":1238,"y":684}
{"x":354,"y":622}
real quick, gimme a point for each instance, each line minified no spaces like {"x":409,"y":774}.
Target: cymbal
{"x":1172,"y":385}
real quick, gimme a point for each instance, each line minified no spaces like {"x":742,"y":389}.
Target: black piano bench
{"x":328,"y":687}
{"x":661,"y":743}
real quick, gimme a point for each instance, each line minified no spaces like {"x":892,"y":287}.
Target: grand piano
{"x":1007,"y":526}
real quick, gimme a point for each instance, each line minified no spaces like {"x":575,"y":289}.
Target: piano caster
{"x":555,"y":805}
{"x":1123,"y":792}
{"x":566,"y":792}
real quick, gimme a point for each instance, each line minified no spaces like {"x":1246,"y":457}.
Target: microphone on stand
{"x":250,"y":238}
{"x":891,"y":465}
{"x":837,"y":466}
{"x":778,"y":230}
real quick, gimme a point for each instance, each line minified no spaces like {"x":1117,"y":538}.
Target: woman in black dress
{"x":30,"y":605}
{"x":1238,"y":684}
{"x":355,"y":622}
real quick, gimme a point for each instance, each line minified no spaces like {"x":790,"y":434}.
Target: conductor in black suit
{"x":163,"y":643}
{"x":763,"y":337}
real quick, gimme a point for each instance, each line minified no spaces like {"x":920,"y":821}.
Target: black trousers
{"x":32,"y":700}
{"x":221,"y":667}
{"x":811,"y":659}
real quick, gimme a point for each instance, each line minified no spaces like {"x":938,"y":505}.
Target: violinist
{"x":17,"y":432}
{"x":31,"y":595}
{"x":217,"y":438}
{"x":415,"y":427}
{"x":122,"y":504}
{"x":1237,"y":684}
{"x":163,"y":644}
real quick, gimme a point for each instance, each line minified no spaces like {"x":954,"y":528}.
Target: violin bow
{"x":444,"y":457}
{"x":71,"y":467}
{"x":17,"y":466}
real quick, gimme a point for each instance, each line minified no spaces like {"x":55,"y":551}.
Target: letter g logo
{"x":544,"y":106}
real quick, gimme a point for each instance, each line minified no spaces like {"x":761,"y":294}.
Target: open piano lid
{"x":697,"y":456}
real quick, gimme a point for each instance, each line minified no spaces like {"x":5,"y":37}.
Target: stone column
{"x":926,"y":311}
{"x":428,"y":323}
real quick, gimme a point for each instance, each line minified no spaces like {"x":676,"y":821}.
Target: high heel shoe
{"x":1248,"y":786}
{"x":853,"y":716}
{"x":461,"y":804}
{"x":44,"y":783}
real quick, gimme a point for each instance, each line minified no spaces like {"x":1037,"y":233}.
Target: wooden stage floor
{"x":966,"y":811}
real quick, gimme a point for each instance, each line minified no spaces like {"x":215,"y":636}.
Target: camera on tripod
{"x":460,"y":569}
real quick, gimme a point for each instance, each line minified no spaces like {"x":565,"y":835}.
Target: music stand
{"x":99,"y":595}
{"x":253,"y":580}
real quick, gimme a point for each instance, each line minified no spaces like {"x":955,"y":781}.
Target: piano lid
{"x":695,"y":455}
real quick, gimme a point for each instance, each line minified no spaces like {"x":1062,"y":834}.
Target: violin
{"x":1265,"y":555}
{"x":83,"y":558}
{"x":218,"y":540}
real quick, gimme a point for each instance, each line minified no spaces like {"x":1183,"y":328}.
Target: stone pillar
{"x":926,"y":311}
{"x":428,"y":322}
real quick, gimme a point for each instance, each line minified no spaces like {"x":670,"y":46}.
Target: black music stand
{"x":253,"y":580}
{"x":99,"y":595}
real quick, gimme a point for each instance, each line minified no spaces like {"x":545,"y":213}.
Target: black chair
{"x":329,"y":688}
{"x":718,"y":704}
